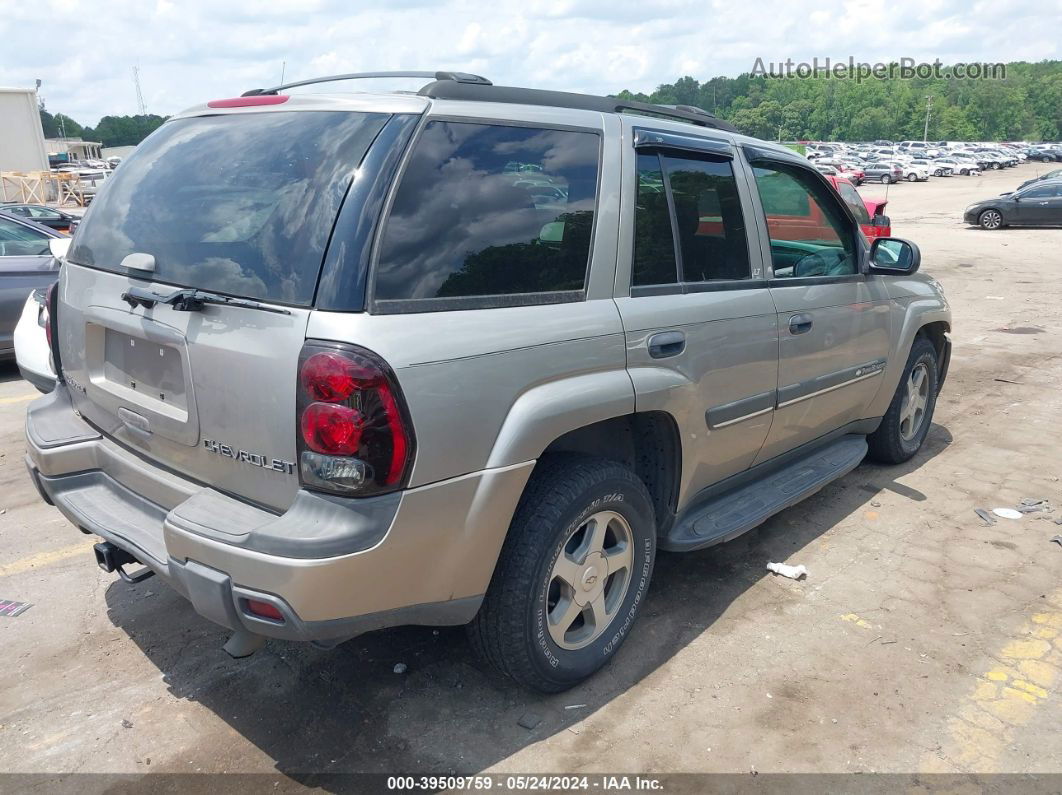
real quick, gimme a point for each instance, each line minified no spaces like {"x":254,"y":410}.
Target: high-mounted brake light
{"x":354,"y":435}
{"x":247,"y":102}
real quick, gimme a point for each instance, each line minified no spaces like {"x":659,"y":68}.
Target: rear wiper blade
{"x":192,"y":300}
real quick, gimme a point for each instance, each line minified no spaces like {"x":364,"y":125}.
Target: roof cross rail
{"x":457,"y":77}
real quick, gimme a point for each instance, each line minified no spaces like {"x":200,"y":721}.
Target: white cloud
{"x":194,"y":50}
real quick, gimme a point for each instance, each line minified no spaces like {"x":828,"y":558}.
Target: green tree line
{"x":110,"y":131}
{"x":1025,"y":105}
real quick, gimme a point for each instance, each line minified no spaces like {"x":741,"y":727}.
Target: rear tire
{"x":571,"y":576}
{"x":904,"y":427}
{"x":886,"y":179}
{"x":912,"y":177}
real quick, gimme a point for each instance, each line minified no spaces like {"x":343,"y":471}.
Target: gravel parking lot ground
{"x":921,"y":640}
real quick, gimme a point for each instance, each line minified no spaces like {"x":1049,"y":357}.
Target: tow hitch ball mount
{"x":111,"y":558}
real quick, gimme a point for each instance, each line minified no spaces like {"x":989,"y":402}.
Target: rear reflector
{"x":264,"y":610}
{"x":246,"y":102}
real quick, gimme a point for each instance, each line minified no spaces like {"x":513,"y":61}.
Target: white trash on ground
{"x":792,"y":572}
{"x":1007,"y":513}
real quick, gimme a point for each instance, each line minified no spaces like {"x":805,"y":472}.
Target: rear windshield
{"x":241,"y":203}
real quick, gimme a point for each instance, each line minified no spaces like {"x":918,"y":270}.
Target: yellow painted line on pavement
{"x":47,"y":558}
{"x":20,"y":398}
{"x":1006,"y":697}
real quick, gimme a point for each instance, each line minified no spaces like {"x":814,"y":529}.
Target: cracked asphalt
{"x":922,"y":640}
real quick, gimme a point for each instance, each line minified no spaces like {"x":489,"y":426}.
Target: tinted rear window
{"x":490,"y":210}
{"x":241,"y":204}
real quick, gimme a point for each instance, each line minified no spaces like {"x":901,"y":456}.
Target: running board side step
{"x":740,"y":510}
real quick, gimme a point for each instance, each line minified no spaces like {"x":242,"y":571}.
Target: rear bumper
{"x":333,"y":567}
{"x":44,"y":382}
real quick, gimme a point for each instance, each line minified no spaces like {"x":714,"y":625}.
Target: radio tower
{"x":139,"y":94}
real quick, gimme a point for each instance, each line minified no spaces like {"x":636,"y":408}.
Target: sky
{"x":190,"y":51}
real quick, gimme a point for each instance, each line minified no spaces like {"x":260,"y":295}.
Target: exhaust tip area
{"x":243,"y":644}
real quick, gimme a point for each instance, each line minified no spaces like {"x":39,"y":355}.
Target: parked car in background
{"x":26,"y":263}
{"x":1053,"y":174}
{"x":962,"y":168}
{"x":880,"y":171}
{"x":870,"y":213}
{"x":932,"y":166}
{"x":1043,"y":154}
{"x":1040,"y":204}
{"x":914,"y":170}
{"x":32,"y":353}
{"x":832,"y":171}
{"x":45,"y":216}
{"x":854,"y":171}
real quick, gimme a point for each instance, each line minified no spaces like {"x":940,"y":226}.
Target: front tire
{"x":904,"y":427}
{"x":990,"y":220}
{"x":912,"y":177}
{"x":571,"y":576}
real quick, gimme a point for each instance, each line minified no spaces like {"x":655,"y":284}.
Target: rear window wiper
{"x":192,"y":300}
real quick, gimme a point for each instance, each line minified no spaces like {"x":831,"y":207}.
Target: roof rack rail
{"x":449,"y":89}
{"x":457,"y":77}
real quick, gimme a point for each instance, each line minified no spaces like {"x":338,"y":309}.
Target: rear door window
{"x":489,"y":215}
{"x":688,"y":223}
{"x":240,"y":203}
{"x":654,"y":240}
{"x":708,"y":219}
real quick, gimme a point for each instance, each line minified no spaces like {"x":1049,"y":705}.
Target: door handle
{"x":666,"y":344}
{"x":800,"y":324}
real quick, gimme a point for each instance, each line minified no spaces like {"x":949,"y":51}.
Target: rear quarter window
{"x":488,"y":214}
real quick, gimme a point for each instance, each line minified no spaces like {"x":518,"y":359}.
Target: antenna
{"x":139,"y":95}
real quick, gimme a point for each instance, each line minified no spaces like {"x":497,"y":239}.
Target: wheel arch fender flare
{"x":919,"y":314}
{"x":547,"y":411}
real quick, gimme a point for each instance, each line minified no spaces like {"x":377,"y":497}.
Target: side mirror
{"x":894,"y":256}
{"x":59,"y":246}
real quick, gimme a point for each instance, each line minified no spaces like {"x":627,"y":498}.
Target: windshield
{"x":240,"y":203}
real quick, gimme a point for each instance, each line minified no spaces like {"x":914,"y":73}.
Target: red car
{"x":812,"y":224}
{"x":869,"y":212}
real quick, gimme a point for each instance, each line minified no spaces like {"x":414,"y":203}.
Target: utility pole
{"x":929,"y":104}
{"x":283,"y":67}
{"x":139,"y":96}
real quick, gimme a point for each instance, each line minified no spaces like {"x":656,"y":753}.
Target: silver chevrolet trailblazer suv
{"x":470,"y":355}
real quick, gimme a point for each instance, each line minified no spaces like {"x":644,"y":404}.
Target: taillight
{"x":51,"y":329}
{"x":354,"y":433}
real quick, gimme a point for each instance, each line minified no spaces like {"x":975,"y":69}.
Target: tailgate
{"x":209,"y":394}
{"x":236,"y":205}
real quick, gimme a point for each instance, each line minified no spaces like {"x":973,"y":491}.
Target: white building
{"x":21,"y":135}
{"x":75,"y":148}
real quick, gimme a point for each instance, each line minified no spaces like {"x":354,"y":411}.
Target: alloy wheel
{"x":991,"y":219}
{"x":916,"y":399}
{"x":590,"y":580}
